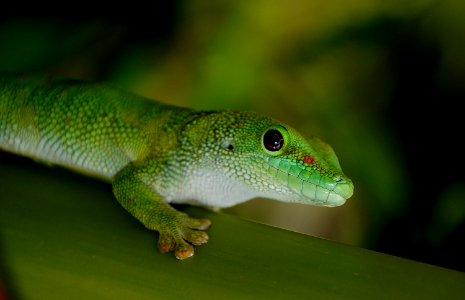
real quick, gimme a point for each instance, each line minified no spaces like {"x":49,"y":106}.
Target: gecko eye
{"x":273,"y":140}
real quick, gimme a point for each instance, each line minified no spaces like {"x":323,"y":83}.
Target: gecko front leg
{"x":177,"y":231}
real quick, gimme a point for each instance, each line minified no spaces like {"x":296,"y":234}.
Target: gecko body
{"x":154,"y":154}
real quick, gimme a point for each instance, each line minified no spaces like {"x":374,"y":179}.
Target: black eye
{"x":273,"y":140}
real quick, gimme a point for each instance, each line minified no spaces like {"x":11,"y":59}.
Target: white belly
{"x":210,"y":188}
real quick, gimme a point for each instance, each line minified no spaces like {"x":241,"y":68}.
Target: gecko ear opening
{"x":228,"y":144}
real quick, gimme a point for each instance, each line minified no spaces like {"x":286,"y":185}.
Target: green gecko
{"x":155,"y":154}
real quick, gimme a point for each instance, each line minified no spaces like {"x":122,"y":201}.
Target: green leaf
{"x":63,"y":236}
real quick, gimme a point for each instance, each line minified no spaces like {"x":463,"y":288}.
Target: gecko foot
{"x":181,"y":236}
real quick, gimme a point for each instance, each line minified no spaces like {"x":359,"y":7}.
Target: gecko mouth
{"x":311,"y":187}
{"x":325,"y":197}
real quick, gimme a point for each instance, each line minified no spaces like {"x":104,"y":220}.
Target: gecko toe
{"x":166,"y":243}
{"x":195,"y":237}
{"x":183,"y":250}
{"x":199,"y":224}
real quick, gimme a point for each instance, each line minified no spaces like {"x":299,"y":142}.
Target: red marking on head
{"x":309,"y":159}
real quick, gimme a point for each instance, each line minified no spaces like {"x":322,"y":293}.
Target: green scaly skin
{"x":155,"y":154}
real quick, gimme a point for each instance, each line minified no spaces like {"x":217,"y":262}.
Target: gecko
{"x":155,"y":154}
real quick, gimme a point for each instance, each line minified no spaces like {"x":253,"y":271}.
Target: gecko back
{"x":92,"y":128}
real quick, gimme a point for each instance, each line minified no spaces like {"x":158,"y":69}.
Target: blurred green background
{"x":381,"y":81}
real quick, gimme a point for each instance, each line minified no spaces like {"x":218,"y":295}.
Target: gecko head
{"x":276,"y":162}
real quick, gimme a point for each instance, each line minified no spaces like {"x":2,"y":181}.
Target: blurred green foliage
{"x":372,"y":78}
